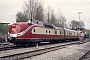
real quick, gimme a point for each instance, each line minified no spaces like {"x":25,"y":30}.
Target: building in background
{"x":5,"y":23}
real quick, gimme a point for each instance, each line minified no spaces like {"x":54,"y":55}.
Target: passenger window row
{"x":60,"y":32}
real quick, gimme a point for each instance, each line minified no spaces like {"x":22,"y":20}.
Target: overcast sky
{"x":69,"y":8}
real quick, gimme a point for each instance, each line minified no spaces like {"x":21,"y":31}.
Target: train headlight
{"x":9,"y":38}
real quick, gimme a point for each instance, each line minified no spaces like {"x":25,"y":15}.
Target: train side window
{"x":46,"y":31}
{"x":80,"y":32}
{"x":55,"y":32}
{"x":49,"y":31}
{"x":34,"y":30}
{"x":69,"y":33}
{"x":60,"y":32}
{"x":74,"y":33}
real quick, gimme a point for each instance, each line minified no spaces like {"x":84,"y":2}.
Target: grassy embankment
{"x":4,"y":28}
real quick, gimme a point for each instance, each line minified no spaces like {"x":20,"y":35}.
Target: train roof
{"x":35,"y":22}
{"x":70,"y":30}
{"x":41,"y":23}
{"x":47,"y":25}
{"x":73,"y":30}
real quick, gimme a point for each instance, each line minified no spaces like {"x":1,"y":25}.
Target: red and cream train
{"x":35,"y":31}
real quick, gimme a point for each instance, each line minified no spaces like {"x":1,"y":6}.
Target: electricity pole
{"x":79,"y":18}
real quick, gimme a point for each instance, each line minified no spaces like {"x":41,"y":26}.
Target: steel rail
{"x":9,"y":48}
{"x":84,"y":55}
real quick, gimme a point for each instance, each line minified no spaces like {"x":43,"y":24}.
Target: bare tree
{"x":62,"y":22}
{"x":48,"y":14}
{"x":39,"y":13}
{"x":53,"y":19}
{"x":59,"y":17}
{"x":74,"y":24}
{"x":81,"y":24}
{"x":33,"y":8}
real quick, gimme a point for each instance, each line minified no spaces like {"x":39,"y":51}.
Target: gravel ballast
{"x":73,"y":52}
{"x":23,"y":50}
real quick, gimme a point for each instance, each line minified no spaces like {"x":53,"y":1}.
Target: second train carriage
{"x":36,"y":31}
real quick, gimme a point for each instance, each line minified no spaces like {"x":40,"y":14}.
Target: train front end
{"x":16,"y":31}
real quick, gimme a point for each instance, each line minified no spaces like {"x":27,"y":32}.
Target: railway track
{"x":12,"y":47}
{"x":9,"y":48}
{"x":85,"y":56}
{"x":23,"y":55}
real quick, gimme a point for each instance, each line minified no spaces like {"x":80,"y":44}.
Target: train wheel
{"x":17,"y":45}
{"x":51,"y":42}
{"x":25,"y":45}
